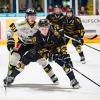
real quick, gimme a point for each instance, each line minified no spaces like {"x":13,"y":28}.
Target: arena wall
{"x":90,"y":23}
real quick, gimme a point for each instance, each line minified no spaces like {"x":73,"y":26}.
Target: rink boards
{"x":90,"y":23}
{"x":86,"y":40}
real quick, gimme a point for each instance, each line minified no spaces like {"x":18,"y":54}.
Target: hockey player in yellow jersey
{"x":56,"y":19}
{"x":73,"y":28}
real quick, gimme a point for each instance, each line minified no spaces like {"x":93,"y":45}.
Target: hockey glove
{"x":10,"y":43}
{"x":44,"y":53}
{"x":78,"y":38}
{"x":81,"y":41}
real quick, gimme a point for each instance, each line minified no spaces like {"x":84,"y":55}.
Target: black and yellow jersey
{"x":73,"y":26}
{"x":55,"y":20}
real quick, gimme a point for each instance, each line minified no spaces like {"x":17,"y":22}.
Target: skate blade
{"x":83,"y":62}
{"x":56,"y":83}
{"x":77,"y":86}
{"x":5,"y":85}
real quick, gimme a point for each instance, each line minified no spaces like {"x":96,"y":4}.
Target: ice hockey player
{"x":48,"y":45}
{"x":56,"y":19}
{"x":73,"y":27}
{"x":25,"y":30}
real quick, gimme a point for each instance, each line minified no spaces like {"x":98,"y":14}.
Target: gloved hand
{"x":81,"y":41}
{"x":10,"y":43}
{"x":44,"y":53}
{"x":79,"y":38}
{"x":56,"y":33}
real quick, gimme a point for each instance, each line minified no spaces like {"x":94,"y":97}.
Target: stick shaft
{"x":86,"y":77}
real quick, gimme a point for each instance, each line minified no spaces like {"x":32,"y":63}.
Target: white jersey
{"x":24,"y":31}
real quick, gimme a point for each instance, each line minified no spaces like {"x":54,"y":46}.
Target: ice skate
{"x":55,"y":80}
{"x":8,"y":81}
{"x":82,"y":60}
{"x":75,"y":84}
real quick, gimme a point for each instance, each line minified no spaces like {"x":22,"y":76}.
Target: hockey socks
{"x":49,"y":71}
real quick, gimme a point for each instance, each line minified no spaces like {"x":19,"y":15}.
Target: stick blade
{"x":93,"y":37}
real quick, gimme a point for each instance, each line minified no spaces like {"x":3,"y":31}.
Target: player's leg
{"x":63,"y":59}
{"x":79,"y":49}
{"x":48,"y":69}
{"x":16,"y":55}
{"x":65,"y":62}
{"x":14,"y":58}
{"x":67,"y":67}
{"x":16,"y":69}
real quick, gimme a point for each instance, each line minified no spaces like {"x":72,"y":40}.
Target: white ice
{"x":34,"y":84}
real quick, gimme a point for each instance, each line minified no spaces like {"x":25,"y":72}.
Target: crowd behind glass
{"x":7,"y":6}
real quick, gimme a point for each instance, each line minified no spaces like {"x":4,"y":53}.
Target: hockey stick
{"x":91,"y":38}
{"x":80,"y":43}
{"x":92,"y":47}
{"x":86,"y":76}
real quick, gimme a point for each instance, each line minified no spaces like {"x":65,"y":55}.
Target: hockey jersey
{"x":55,"y":20}
{"x":73,"y":26}
{"x":24,"y":31}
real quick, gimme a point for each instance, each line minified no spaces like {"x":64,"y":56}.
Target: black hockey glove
{"x":78,"y":38}
{"x":44,"y":53}
{"x":10,"y":43}
{"x":81,"y":40}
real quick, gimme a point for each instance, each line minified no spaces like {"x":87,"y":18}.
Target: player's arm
{"x":79,"y":30}
{"x":10,"y":39}
{"x":79,"y":27}
{"x":36,"y":43}
{"x":49,"y":18}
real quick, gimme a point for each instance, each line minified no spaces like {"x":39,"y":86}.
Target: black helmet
{"x":43,"y":23}
{"x":70,"y":10}
{"x":30,"y":11}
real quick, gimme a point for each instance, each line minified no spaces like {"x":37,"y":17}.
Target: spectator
{"x":50,"y":9}
{"x":4,"y":8}
{"x":39,"y":8}
{"x":22,"y":6}
{"x":97,"y":11}
{"x":64,"y":8}
{"x":83,"y":11}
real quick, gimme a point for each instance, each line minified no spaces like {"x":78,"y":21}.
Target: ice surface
{"x":34,"y":84}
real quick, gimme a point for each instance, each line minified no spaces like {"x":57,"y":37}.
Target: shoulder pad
{"x":49,"y":15}
{"x":22,"y":22}
{"x":61,"y":17}
{"x":78,"y":19}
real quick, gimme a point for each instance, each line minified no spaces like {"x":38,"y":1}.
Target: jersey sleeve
{"x":12,"y":28}
{"x":79,"y":27}
{"x":49,"y":18}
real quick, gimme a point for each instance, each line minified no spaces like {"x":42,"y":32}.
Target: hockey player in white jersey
{"x":25,"y":30}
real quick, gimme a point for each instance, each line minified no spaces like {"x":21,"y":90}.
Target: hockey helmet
{"x":30,"y":11}
{"x":70,"y":10}
{"x":43,"y":23}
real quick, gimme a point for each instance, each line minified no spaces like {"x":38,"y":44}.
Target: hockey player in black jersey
{"x":48,"y":45}
{"x":73,"y":27}
{"x":56,"y":19}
